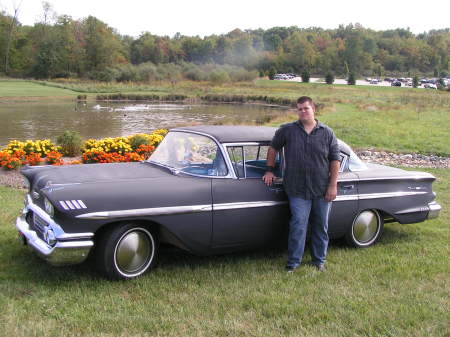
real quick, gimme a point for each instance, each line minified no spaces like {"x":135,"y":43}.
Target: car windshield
{"x":190,"y":153}
{"x":356,"y":164}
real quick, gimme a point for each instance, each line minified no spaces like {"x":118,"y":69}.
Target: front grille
{"x":37,"y":224}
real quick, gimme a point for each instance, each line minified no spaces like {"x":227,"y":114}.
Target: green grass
{"x":27,"y":89}
{"x":396,"y":129}
{"x":398,"y":287}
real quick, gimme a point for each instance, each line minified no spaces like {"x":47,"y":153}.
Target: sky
{"x":208,"y":17}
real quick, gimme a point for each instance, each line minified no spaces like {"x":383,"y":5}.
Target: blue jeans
{"x":315,"y":212}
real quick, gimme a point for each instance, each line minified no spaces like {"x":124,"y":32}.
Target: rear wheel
{"x":366,"y":229}
{"x":125,"y":252}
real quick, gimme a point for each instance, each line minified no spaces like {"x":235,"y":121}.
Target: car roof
{"x":242,"y":133}
{"x":233,"y":133}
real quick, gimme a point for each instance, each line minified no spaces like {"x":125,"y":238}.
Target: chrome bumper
{"x":67,"y":249}
{"x":434,"y":210}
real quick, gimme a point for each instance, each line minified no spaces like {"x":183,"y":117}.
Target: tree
{"x":305,"y":76}
{"x":272,"y":72}
{"x":415,"y":81}
{"x":10,"y":35}
{"x":329,"y":78}
{"x":351,"y":79}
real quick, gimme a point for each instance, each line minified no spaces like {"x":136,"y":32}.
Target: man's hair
{"x":305,"y":99}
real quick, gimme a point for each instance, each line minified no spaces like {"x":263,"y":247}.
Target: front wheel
{"x":366,"y":229}
{"x":127,"y":251}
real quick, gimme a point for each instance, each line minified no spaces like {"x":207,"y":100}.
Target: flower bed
{"x":108,"y":150}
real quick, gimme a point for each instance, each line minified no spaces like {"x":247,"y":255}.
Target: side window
{"x":249,"y":161}
{"x":344,"y":162}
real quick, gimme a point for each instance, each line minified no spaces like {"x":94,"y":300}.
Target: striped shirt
{"x":307,"y":158}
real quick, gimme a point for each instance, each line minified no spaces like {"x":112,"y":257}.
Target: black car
{"x":201,"y":190}
{"x":396,"y":83}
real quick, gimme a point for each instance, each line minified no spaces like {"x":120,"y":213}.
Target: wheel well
{"x":144,"y":223}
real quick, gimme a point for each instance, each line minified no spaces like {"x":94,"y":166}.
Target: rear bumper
{"x":64,"y":249}
{"x":434,"y":210}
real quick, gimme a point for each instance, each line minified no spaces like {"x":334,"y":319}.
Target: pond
{"x":47,"y":120}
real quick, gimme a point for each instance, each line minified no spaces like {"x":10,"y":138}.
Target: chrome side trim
{"x":146,"y":212}
{"x":178,"y":209}
{"x":224,"y":206}
{"x":376,"y":195}
{"x":252,"y":204}
{"x":388,"y":195}
{"x":422,"y":177}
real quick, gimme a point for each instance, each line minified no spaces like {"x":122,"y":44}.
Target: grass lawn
{"x":398,"y":287}
{"x":26,"y":89}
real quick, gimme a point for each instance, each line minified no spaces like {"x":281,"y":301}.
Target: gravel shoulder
{"x":15,"y":180}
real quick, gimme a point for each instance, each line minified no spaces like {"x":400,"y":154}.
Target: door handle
{"x":348,"y":187}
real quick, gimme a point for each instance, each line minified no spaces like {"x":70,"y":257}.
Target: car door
{"x":345,"y":207}
{"x":246,"y":212}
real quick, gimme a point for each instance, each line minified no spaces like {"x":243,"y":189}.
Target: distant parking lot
{"x":404,"y":83}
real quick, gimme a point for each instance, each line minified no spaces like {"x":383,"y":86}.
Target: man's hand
{"x":268,"y":178}
{"x":331,"y":193}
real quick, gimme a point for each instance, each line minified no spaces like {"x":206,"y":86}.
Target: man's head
{"x":306,"y":109}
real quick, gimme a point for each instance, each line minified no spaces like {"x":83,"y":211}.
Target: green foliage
{"x":138,"y":140}
{"x":71,"y":143}
{"x":351,"y":80}
{"x":219,"y":77}
{"x":329,"y":78}
{"x":90,"y":48}
{"x":272,"y":72}
{"x":305,"y":76}
{"x":415,"y":81}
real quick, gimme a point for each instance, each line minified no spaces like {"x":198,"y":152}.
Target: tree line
{"x":60,"y":46}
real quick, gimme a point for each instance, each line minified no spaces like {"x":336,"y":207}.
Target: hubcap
{"x":134,"y":251}
{"x":366,"y":227}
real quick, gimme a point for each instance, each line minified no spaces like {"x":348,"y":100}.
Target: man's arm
{"x":332,"y":186}
{"x":269,"y":176}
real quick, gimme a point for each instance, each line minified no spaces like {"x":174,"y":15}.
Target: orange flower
{"x":54,"y":158}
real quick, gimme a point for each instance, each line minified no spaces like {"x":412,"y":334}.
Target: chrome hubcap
{"x":366,"y":227}
{"x":134,"y":251}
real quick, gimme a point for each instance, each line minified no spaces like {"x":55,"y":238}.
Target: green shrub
{"x":305,"y":76}
{"x":219,"y":77}
{"x":415,"y":82}
{"x":138,"y":140}
{"x":71,"y":143}
{"x":329,"y":78}
{"x":351,"y":80}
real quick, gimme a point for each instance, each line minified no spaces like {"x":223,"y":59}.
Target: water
{"x":47,"y":120}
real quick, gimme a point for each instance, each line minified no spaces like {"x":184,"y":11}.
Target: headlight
{"x":49,"y":207}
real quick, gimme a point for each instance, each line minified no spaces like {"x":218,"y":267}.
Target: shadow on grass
{"x":27,"y":266}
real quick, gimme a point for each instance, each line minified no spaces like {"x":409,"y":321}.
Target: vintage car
{"x":201,"y":190}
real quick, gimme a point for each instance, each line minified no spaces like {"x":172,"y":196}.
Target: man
{"x":310,"y":180}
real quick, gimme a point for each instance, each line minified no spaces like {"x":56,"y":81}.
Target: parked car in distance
{"x":201,"y":191}
{"x":430,"y":86}
{"x":396,"y":83}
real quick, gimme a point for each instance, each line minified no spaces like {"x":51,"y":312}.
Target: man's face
{"x":305,"y":112}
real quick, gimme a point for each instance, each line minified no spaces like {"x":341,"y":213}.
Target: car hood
{"x":40,"y":176}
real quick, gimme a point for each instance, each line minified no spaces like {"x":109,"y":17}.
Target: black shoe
{"x":290,"y":269}
{"x":320,"y":267}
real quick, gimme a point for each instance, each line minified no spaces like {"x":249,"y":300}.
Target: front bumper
{"x":434,"y":210}
{"x":64,"y":249}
